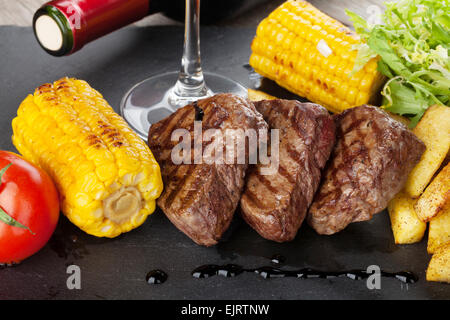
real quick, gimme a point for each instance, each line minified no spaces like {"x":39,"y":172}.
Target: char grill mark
{"x":172,"y":194}
{"x":266,"y":183}
{"x":171,"y":126}
{"x":285,"y":174}
{"x":369,"y":165}
{"x":275,"y":205}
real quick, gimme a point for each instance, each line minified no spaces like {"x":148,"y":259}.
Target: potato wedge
{"x":434,"y":130}
{"x":436,"y":196}
{"x":256,"y":95}
{"x":439,"y":267}
{"x":439,"y":232}
{"x":406,"y":226}
{"x":399,"y":118}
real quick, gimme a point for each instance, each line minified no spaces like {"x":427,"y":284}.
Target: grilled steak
{"x":200,"y":199}
{"x":369,"y":165}
{"x":275,"y":205}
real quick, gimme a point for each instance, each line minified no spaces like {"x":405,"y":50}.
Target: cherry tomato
{"x":29,"y":208}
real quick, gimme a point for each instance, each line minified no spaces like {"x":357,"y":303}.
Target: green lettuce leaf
{"x":403,"y":100}
{"x":359,"y":23}
{"x":413,"y":44}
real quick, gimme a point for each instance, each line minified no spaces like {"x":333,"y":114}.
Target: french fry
{"x":256,"y":95}
{"x":406,"y":226}
{"x":434,"y":130}
{"x":439,"y":267}
{"x":439,"y":232}
{"x":436,"y":196}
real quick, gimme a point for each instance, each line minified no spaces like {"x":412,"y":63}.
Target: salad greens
{"x":413,"y":44}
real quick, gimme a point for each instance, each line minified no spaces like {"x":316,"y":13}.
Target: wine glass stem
{"x":190,"y":81}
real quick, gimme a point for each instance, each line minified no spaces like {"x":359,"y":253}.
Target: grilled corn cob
{"x":106,"y":176}
{"x":310,"y":54}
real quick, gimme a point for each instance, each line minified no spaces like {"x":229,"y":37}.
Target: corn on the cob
{"x":310,"y":54}
{"x":106,"y":175}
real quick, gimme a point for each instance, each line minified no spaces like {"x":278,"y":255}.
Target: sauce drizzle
{"x":268,"y":272}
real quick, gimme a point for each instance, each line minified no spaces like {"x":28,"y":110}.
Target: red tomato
{"x":27,"y":195}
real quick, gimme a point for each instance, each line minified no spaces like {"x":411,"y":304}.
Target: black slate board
{"x":116,"y":268}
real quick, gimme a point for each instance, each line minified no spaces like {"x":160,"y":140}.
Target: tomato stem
{"x":3,"y":171}
{"x":6,"y":218}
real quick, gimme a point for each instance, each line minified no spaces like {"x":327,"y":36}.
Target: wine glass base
{"x":153,"y":99}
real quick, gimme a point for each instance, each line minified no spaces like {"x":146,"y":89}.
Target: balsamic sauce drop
{"x":267,"y":272}
{"x":278,"y":259}
{"x":8,"y":265}
{"x":198,"y":112}
{"x":156,"y":277}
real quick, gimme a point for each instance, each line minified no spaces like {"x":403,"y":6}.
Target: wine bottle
{"x":63,"y":27}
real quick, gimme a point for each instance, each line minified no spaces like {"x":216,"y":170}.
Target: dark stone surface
{"x":116,"y":268}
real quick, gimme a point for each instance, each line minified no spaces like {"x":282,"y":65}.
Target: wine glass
{"x":157,"y":97}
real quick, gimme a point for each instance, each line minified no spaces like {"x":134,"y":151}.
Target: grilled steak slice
{"x":200,"y":199}
{"x":369,"y":165}
{"x":275,"y":205}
